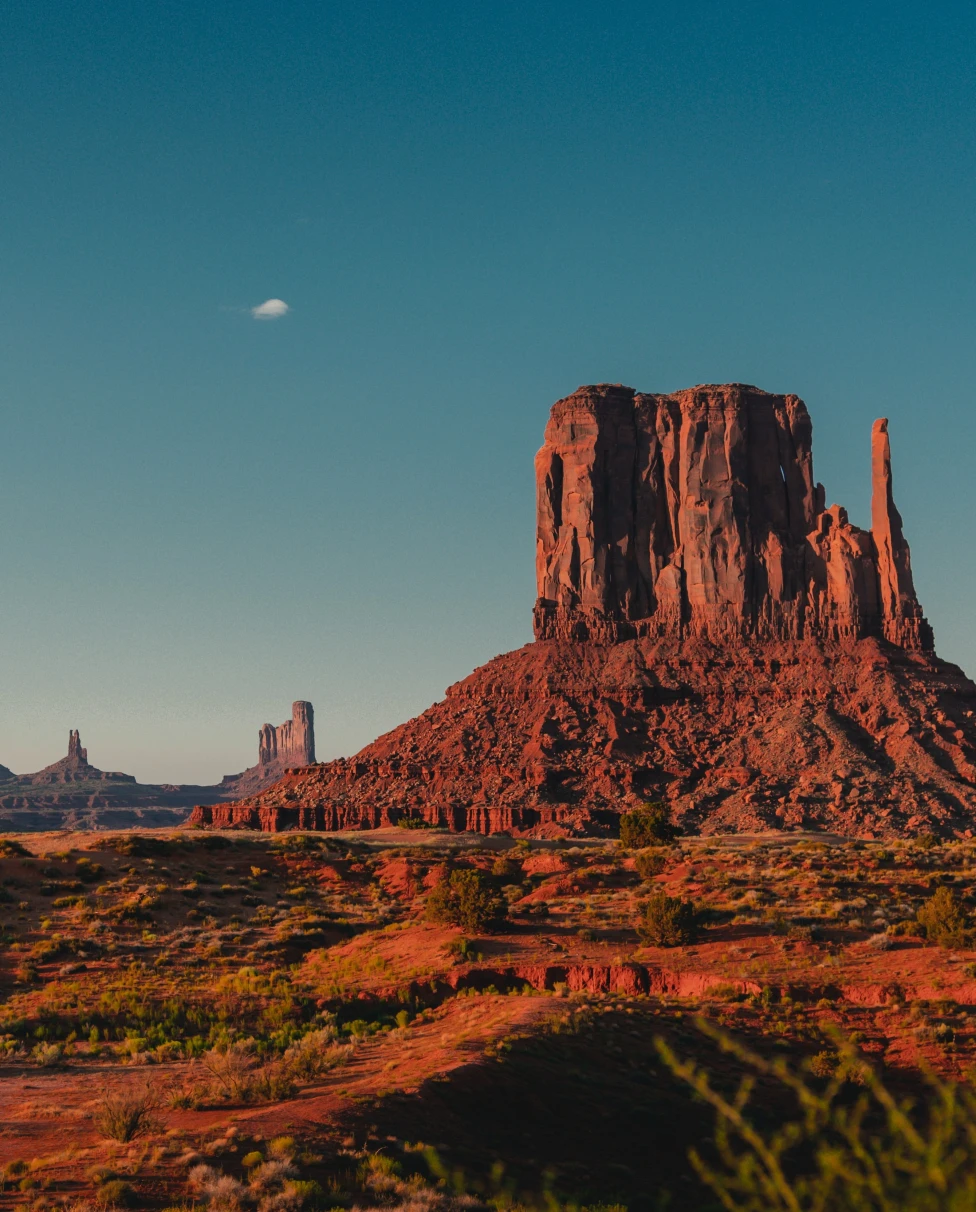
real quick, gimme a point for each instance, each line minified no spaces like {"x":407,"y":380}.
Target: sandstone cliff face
{"x":708,"y":633}
{"x":697,"y":514}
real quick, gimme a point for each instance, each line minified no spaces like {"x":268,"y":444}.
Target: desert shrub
{"x":125,"y":1116}
{"x":135,"y":845}
{"x":283,"y":1148}
{"x":650,"y":825}
{"x":315,"y":1053}
{"x":415,"y":822}
{"x":944,"y":919}
{"x":88,"y":871}
{"x":463,"y":949}
{"x":272,"y":1083}
{"x":219,"y":1190}
{"x":231,"y":1069}
{"x":47,"y":1055}
{"x":467,"y":899}
{"x":294,"y":843}
{"x":506,"y":869}
{"x":667,"y":921}
{"x":116,"y":1193}
{"x":909,"y":928}
{"x":838,"y":1152}
{"x":11,"y":849}
{"x":649,"y":863}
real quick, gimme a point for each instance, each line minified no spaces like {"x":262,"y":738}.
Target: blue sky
{"x":469,"y":210}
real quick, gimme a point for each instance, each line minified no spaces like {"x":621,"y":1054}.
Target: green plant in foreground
{"x":869,"y":1153}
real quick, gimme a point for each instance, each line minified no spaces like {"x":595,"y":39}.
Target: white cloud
{"x":270,"y":309}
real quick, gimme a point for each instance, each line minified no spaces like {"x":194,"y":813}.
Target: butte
{"x":707,"y":633}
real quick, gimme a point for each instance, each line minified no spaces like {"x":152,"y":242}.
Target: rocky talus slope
{"x":707,"y":632}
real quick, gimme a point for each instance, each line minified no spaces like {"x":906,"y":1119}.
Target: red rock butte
{"x":707,"y":632}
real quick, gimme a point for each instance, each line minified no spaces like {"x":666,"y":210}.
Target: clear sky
{"x":469,"y":209}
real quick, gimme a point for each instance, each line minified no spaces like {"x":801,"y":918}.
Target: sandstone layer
{"x":708,"y":632}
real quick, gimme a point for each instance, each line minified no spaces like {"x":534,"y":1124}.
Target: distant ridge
{"x":71,"y":792}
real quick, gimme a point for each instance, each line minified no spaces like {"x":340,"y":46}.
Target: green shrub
{"x":505,"y":869}
{"x":667,"y":921}
{"x":116,"y":1194}
{"x":944,"y":919}
{"x":462,"y":949}
{"x":88,"y":871}
{"x":650,"y":825}
{"x":136,"y":845}
{"x":307,"y":1193}
{"x":467,"y":899}
{"x":649,"y":863}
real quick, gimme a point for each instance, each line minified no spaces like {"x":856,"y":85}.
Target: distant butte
{"x":289,"y":744}
{"x":707,"y":632}
{"x":73,"y":793}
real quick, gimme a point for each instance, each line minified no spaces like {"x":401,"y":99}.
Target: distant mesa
{"x":73,"y":793}
{"x":75,"y":768}
{"x":708,"y":632}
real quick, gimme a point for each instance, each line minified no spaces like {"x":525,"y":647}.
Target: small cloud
{"x":270,"y":309}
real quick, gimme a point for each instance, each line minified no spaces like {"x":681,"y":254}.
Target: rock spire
{"x":77,"y":756}
{"x":697,"y":514}
{"x":291,"y":743}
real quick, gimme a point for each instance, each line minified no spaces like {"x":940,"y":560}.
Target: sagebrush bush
{"x":668,"y":921}
{"x":650,"y":825}
{"x":125,"y":1116}
{"x":468,"y":899}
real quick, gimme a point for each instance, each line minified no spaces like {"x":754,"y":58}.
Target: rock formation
{"x":707,"y":632}
{"x":697,"y":514}
{"x":291,"y":743}
{"x":75,"y":768}
{"x":279,"y":748}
